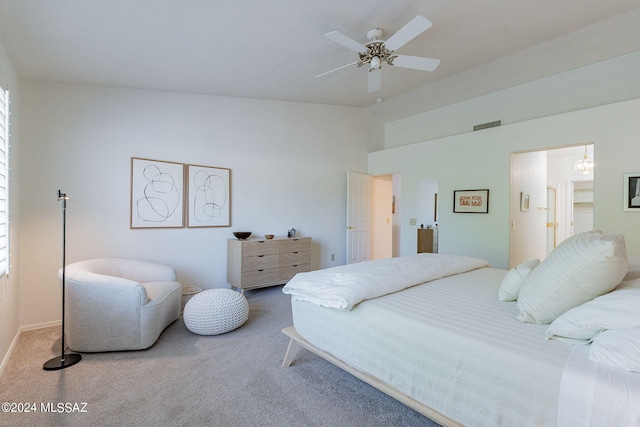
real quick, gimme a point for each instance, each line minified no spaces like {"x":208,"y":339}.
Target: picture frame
{"x":471,"y":201}
{"x":632,"y":192}
{"x":208,"y":196}
{"x":524,"y":202}
{"x":157,"y":191}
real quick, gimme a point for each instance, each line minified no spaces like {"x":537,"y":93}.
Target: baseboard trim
{"x":22,"y":329}
{"x":41,"y":325}
{"x":7,"y":355}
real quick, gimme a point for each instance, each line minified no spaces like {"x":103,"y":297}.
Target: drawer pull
{"x":295,"y":265}
{"x":260,"y":256}
{"x":262,"y":269}
{"x":295,"y":252}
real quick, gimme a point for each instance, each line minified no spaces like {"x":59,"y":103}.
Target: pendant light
{"x":585,"y":164}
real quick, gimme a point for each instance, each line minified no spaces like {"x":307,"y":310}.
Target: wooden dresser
{"x":256,"y":263}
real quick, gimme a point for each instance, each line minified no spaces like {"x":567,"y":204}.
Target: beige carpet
{"x":184,"y":379}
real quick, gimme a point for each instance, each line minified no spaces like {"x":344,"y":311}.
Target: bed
{"x":449,"y":348}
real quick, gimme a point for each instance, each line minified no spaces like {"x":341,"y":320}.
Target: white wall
{"x":597,"y":84}
{"x":481,"y":160}
{"x":9,"y":300}
{"x":288,"y":166}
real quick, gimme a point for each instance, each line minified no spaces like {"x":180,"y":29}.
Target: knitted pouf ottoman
{"x":215,"y":311}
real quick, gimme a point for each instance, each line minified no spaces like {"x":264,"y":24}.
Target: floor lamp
{"x":65,"y":360}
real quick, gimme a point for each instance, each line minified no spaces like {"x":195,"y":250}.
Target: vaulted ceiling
{"x":273,"y":49}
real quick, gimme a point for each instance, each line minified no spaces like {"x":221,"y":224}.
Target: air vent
{"x":487,"y":125}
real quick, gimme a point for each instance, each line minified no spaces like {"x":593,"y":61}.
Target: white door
{"x":358,"y":217}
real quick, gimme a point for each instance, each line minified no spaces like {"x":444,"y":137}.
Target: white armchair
{"x":119,"y":304}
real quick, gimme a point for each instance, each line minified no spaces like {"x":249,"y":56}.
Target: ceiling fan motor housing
{"x":375,"y":34}
{"x":376,"y":49}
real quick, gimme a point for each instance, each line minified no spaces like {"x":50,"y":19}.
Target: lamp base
{"x":61,"y":362}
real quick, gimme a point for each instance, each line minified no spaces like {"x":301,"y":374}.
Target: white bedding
{"x":451,"y":345}
{"x":594,"y":395}
{"x":345,"y":286}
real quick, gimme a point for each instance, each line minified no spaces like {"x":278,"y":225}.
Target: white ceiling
{"x":273,"y":49}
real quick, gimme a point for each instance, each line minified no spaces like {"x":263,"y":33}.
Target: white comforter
{"x":451,"y":345}
{"x":345,"y":286}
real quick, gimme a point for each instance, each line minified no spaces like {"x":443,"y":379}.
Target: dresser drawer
{"x":294,"y":258}
{"x":260,"y":262}
{"x":286,"y":273}
{"x":259,"y":247}
{"x":255,"y":278}
{"x":295,"y":245}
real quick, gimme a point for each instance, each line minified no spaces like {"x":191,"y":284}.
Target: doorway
{"x":386,"y":206}
{"x":373,"y":216}
{"x":427,"y":218}
{"x":581,"y":206}
{"x":547,"y":179}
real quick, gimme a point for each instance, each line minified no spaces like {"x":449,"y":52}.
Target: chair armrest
{"x":159,"y":291}
{"x":107,"y":290}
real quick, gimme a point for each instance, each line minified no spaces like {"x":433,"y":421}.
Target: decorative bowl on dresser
{"x":242,"y":234}
{"x":256,"y":263}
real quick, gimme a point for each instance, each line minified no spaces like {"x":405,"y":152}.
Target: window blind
{"x":4,"y":182}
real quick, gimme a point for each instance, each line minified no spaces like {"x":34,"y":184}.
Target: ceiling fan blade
{"x":407,"y":33}
{"x":374,"y":83}
{"x":336,"y":69}
{"x":345,"y":41}
{"x":416,"y":62}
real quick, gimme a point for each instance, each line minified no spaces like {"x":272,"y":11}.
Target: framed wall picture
{"x":471,"y":201}
{"x":524,"y":202}
{"x":157,"y":189}
{"x":208,"y":196}
{"x":632,"y":191}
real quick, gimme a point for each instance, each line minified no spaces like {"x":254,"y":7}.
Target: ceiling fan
{"x":378,"y":51}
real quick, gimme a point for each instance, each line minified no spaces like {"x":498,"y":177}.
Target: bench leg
{"x":292,"y":351}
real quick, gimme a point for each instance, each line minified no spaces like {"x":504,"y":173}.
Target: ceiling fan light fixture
{"x":375,"y":63}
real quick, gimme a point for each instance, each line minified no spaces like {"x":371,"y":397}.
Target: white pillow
{"x":626,"y":284}
{"x":633,"y":271}
{"x":619,"y":309}
{"x":575,"y":272}
{"x":617,"y":349}
{"x":580,"y":236}
{"x":512,"y":282}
